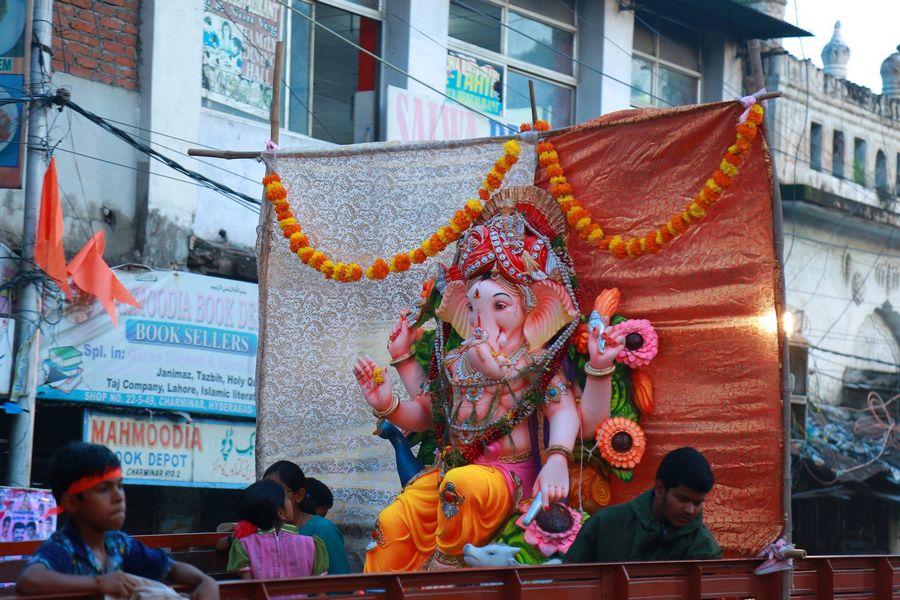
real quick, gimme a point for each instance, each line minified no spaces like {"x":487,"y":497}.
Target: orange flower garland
{"x":580,"y":219}
{"x":577,"y":216}
{"x":381,"y":268}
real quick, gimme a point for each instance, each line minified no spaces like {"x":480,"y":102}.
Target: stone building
{"x":836,"y":145}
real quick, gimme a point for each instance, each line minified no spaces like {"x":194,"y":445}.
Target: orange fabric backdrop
{"x":710,"y":294}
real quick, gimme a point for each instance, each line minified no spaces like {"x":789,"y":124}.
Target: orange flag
{"x":92,"y":275}
{"x":48,"y":249}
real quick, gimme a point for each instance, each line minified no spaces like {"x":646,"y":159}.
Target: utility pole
{"x":28,"y":310}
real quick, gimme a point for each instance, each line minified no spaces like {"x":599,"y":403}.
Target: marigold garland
{"x":632,"y":247}
{"x":577,"y":216}
{"x":348,"y":272}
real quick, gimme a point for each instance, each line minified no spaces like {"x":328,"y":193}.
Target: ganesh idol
{"x":505,"y":416}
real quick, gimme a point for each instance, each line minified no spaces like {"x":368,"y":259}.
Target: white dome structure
{"x":890,"y":75}
{"x":836,"y":54}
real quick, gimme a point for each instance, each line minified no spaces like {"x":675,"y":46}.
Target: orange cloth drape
{"x":710,"y":294}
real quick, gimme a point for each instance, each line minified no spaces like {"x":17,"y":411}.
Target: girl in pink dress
{"x":276,"y":550}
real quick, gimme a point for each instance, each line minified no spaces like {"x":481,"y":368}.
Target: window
{"x":501,"y":45}
{"x":837,"y":154}
{"x":665,"y":63}
{"x":859,"y":161}
{"x":331,"y":93}
{"x":881,"y":176}
{"x":815,"y":146}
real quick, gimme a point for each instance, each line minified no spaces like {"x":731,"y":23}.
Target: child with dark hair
{"x":90,"y":555}
{"x":318,"y":500}
{"x":664,"y":523}
{"x":297,"y":485}
{"x":276,"y":550}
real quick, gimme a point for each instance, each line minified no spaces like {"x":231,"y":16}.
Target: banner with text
{"x":415,"y":117}
{"x":190,"y":347}
{"x":239,"y":53}
{"x":15,"y":27}
{"x":162,"y":452}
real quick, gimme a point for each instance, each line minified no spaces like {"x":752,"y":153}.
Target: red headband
{"x":85,"y":483}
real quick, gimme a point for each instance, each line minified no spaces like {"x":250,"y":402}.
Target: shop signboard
{"x":15,"y":26}
{"x":413,"y":117}
{"x":162,"y":451}
{"x":475,"y":82}
{"x":239,"y":54}
{"x":191,"y":347}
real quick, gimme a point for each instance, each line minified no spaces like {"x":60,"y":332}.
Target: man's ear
{"x":70,"y":503}
{"x":659,"y":489}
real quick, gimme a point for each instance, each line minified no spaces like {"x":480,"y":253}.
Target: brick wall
{"x":97,"y":40}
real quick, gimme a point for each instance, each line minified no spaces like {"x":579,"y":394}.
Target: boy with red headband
{"x":90,"y":555}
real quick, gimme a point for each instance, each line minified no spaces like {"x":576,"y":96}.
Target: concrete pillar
{"x":618,"y":27}
{"x":171,"y":53}
{"x":591,"y":52}
{"x":427,"y":59}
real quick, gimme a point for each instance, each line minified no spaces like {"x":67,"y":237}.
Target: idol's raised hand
{"x":601,"y":359}
{"x":374,"y":382}
{"x":402,"y":336}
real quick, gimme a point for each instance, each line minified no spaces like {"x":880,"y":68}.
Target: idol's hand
{"x":377,"y":395}
{"x":402,"y":336}
{"x":481,"y":358}
{"x":553,"y":480}
{"x":603,"y":359}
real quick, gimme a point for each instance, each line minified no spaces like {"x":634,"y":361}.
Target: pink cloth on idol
{"x":525,"y":471}
{"x":280,"y":555}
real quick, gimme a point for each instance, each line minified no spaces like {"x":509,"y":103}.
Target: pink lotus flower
{"x":552,"y":531}
{"x":641,"y":342}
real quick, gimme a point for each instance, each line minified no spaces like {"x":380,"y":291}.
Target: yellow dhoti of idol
{"x":436,"y":516}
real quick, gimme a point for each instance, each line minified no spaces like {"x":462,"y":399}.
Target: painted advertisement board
{"x":239,"y":53}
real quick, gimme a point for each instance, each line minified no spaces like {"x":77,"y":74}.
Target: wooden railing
{"x":813,"y":578}
{"x":844,"y":577}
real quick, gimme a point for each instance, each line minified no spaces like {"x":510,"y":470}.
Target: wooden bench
{"x":197,"y":549}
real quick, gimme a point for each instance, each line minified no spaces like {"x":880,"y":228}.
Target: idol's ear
{"x":453,"y":308}
{"x":553,"y":310}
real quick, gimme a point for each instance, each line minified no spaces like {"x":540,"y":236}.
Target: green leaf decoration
{"x":623,"y":474}
{"x":427,"y":449}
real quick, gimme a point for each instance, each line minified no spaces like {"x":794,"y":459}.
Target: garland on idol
{"x":578,"y":217}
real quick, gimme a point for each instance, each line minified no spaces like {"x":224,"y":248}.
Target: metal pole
{"x":780,"y":306}
{"x":28,"y":309}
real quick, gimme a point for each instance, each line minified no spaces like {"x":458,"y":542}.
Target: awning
{"x":745,"y":22}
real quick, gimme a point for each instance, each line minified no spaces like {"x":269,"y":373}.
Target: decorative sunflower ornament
{"x":621,"y":442}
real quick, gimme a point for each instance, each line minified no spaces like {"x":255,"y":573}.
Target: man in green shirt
{"x":664,"y":523}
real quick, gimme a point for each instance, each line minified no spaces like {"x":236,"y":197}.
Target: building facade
{"x":837,"y":150}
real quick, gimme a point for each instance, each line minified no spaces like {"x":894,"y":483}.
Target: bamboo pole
{"x":254,"y":154}
{"x":756,"y":71}
{"x":533,"y":103}
{"x":264,"y":240}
